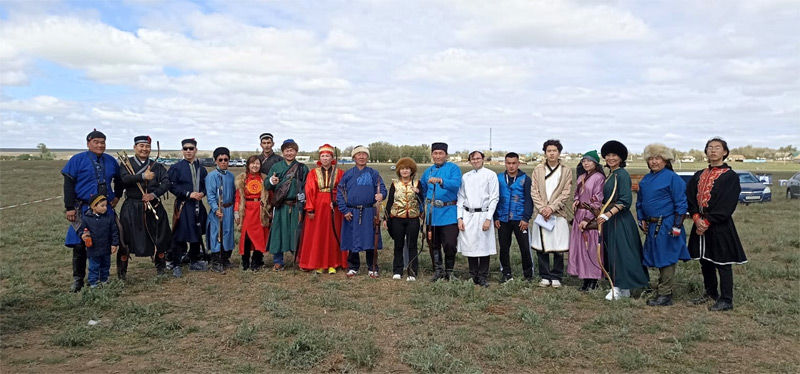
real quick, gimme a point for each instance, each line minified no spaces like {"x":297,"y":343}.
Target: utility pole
{"x":490,"y":144}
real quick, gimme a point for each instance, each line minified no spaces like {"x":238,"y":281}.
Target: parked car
{"x":207,"y":162}
{"x":752,"y":190}
{"x":793,"y":187}
{"x":238,"y":162}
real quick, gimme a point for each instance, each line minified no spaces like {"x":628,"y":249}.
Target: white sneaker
{"x":544,"y":283}
{"x":373,"y":274}
{"x":411,"y":279}
{"x":397,"y":277}
{"x":555,"y":283}
{"x":623,"y":293}
{"x":351,"y":273}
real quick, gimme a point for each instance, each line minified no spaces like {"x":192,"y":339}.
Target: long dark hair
{"x":250,"y":160}
{"x":580,"y":170}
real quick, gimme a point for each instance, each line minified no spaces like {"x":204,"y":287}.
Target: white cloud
{"x":455,"y":65}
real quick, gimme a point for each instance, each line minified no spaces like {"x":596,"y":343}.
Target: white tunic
{"x":558,"y":239}
{"x":479,"y":189}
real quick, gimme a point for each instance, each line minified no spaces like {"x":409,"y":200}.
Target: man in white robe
{"x":477,"y":200}
{"x":551,"y":191}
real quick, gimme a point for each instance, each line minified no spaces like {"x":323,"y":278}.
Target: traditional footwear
{"x":160,"y":271}
{"x":373,"y":273}
{"x":483,"y":282}
{"x":584,"y":286}
{"x":198,"y":266}
{"x":319,"y":271}
{"x":397,"y":277}
{"x":331,"y":270}
{"x":702,"y":300}
{"x":544,"y":283}
{"x":555,"y":283}
{"x":77,"y":284}
{"x":506,"y":278}
{"x":721,"y":306}
{"x":592,"y":284}
{"x":438,"y":274}
{"x":277,"y":267}
{"x":661,"y":300}
{"x":351,"y":273}
{"x":411,"y":278}
{"x":177,"y":272}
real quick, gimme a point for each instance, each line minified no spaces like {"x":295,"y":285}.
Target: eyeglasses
{"x":223,"y":160}
{"x":188,"y":148}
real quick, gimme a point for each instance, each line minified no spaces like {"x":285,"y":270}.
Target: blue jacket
{"x":104,"y":232}
{"x":447,"y":192}
{"x":662,"y":195}
{"x":515,"y":202}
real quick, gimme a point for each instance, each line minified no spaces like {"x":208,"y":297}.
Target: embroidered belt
{"x":474,"y":210}
{"x":254,"y":199}
{"x":440,"y":203}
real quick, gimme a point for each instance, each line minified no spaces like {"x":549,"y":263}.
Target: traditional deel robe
{"x":251,"y":203}
{"x":283,"y":232}
{"x":221,"y":196}
{"x":477,"y":201}
{"x":104,"y":231}
{"x":186,"y":178}
{"x":662,"y":197}
{"x":441,"y":199}
{"x":268,"y":162}
{"x":551,"y":188}
{"x":91,"y":174}
{"x":623,"y":250}
{"x":713,"y":194}
{"x":140,"y":228}
{"x":356,"y":194}
{"x":320,"y":246}
{"x":583,"y":262}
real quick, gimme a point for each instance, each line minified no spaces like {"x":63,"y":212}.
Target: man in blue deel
{"x":439,"y":184}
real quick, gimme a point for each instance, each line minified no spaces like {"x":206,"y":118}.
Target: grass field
{"x":293,"y":321}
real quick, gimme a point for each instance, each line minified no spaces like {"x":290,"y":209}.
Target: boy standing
{"x":101,"y":236}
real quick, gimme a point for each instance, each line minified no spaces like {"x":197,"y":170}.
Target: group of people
{"x":326,"y":216}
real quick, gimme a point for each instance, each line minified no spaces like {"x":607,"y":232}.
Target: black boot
{"x":449,"y":264}
{"x":246,"y":261}
{"x":592,"y":285}
{"x":77,"y":284}
{"x":661,"y":300}
{"x":584,"y":286}
{"x":721,"y":306}
{"x":226,"y":259}
{"x":438,"y":270}
{"x":122,"y":267}
{"x":216,"y":263}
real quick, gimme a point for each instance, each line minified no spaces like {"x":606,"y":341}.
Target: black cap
{"x":439,"y":147}
{"x":142,"y":139}
{"x":95,"y":135}
{"x":221,"y":151}
{"x":190,"y":140}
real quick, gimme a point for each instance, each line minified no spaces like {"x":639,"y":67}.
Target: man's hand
{"x":546,"y":212}
{"x":523,"y":225}
{"x":645,"y":225}
{"x":460,"y":224}
{"x":378,"y":197}
{"x":274,"y":179}
{"x":310,"y":215}
{"x":497,"y":224}
{"x":434,"y":180}
{"x":348,"y":216}
{"x":114,"y":202}
{"x":148,"y":197}
{"x":114,"y":248}
{"x":218,"y":213}
{"x":148,"y":175}
{"x":71,"y":215}
{"x":196,"y":196}
{"x":486,"y":225}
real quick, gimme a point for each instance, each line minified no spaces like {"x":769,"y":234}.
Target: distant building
{"x":303,"y":159}
{"x":736,"y":158}
{"x":455,"y":159}
{"x":687,"y":158}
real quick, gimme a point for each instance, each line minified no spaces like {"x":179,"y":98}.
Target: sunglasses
{"x":188,"y":148}
{"x":223,"y":159}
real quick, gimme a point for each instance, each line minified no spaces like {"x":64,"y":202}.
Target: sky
{"x":406,"y":72}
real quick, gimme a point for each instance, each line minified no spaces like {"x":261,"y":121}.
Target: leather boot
{"x":661,"y":300}
{"x":122,"y":267}
{"x":216,"y":263}
{"x":449,"y":264}
{"x":77,"y":284}
{"x":226,"y":259}
{"x":438,"y":270}
{"x":245,"y":261}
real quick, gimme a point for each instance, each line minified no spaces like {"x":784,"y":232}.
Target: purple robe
{"x":583,"y":244}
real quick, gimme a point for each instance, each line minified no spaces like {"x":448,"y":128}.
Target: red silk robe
{"x":320,"y":247}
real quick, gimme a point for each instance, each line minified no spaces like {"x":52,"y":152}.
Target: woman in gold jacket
{"x":403,"y":217}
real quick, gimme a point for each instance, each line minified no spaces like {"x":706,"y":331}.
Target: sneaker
{"x":277,"y":267}
{"x":544,"y":283}
{"x":319,"y":271}
{"x":76,"y":286}
{"x":177,"y":272}
{"x":170,"y":265}
{"x":351,"y":273}
{"x":613,"y":294}
{"x":624,"y":293}
{"x":397,"y":277}
{"x":555,"y":283}
{"x":411,"y":279}
{"x":331,"y":270}
{"x":373,"y":273}
{"x":506,"y":278}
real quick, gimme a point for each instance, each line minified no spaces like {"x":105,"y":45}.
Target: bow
{"x":600,"y":237}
